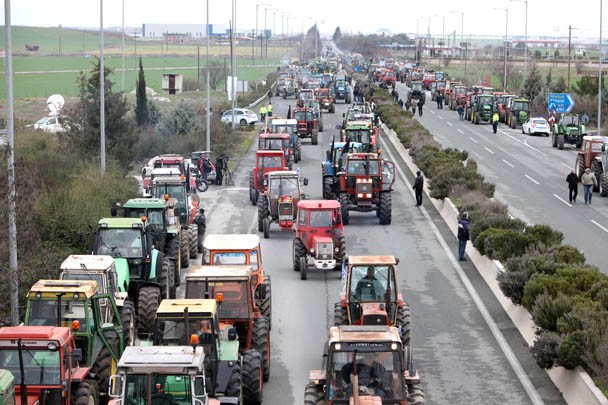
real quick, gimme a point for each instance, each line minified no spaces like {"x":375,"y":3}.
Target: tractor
{"x":175,"y":162}
{"x":308,"y":126}
{"x":569,"y":129}
{"x":163,"y":375}
{"x":232,"y":286}
{"x":599,"y":162}
{"x":416,"y":94}
{"x":287,"y":126}
{"x":365,"y":365}
{"x":93,"y":318}
{"x":373,"y":299}
{"x":147,"y":275}
{"x":242,"y":249}
{"x":315,"y":106}
{"x":279,"y":141}
{"x":46,"y":366}
{"x":185,"y":209}
{"x":326,"y":100}
{"x":319,"y":236}
{"x":177,"y":321}
{"x":483,"y":109}
{"x":439,"y":88}
{"x":288,"y":88}
{"x":366,"y":186}
{"x":304,"y":95}
{"x":7,"y":388}
{"x":334,"y":164}
{"x":457,"y":97}
{"x":502,"y":100}
{"x":362,"y":132}
{"x":279,"y":202}
{"x":265,"y":161}
{"x":342,"y":90}
{"x":591,"y":155}
{"x":518,"y":111}
{"x":102,"y":269}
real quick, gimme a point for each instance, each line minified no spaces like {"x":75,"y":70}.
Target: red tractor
{"x":388,"y":79}
{"x":371,"y":296}
{"x":366,"y":186}
{"x":280,"y":200}
{"x":308,"y":126}
{"x":45,"y":363}
{"x":168,"y":161}
{"x":278,"y":141}
{"x":326,"y":100}
{"x":319,"y":236}
{"x":265,"y":161}
{"x":457,"y":96}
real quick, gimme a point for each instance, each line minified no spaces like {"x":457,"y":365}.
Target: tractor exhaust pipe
{"x":22,"y":385}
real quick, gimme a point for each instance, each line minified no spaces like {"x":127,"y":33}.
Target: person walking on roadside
{"x":495,"y":119}
{"x":270,"y":96}
{"x":589,"y":182}
{"x":572,"y":181}
{"x":463,"y":235}
{"x":269,"y":110}
{"x":460,"y":112}
{"x":263,"y":113}
{"x":420,"y":104}
{"x":201,"y":222}
{"x":418,"y":187}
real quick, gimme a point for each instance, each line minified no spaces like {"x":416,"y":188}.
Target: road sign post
{"x":560,"y":102}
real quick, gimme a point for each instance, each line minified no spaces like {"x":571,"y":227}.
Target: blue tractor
{"x":334,"y":164}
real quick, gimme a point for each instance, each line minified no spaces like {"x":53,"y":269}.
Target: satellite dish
{"x":55,"y":103}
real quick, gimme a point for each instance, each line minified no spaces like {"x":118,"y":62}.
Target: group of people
{"x":266,"y":110}
{"x":205,"y":167}
{"x":589,"y":183}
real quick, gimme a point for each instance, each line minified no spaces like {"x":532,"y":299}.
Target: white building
{"x":186,"y":31}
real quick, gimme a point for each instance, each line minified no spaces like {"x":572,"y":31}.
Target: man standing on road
{"x":460,"y":112}
{"x":589,"y":182}
{"x":201,"y":223}
{"x":269,"y":110}
{"x":495,"y":119}
{"x":463,"y":235}
{"x":270,"y":96}
{"x":263,"y":113}
{"x":418,"y":186}
{"x":572,"y":181}
{"x":420,"y":104}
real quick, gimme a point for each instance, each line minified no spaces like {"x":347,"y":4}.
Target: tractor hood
{"x":369,"y":400}
{"x":322,"y":239}
{"x":122,"y":272}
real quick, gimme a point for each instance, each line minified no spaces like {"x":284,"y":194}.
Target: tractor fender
{"x":156,"y":260}
{"x":122,"y":273}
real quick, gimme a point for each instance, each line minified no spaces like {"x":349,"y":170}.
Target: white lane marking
{"x":432,"y":112}
{"x":503,"y":132}
{"x":450,"y":124}
{"x":525,"y":144}
{"x":565,"y":165}
{"x":473,"y":139}
{"x":562,"y":200}
{"x":489,"y":150}
{"x":485,"y":313}
{"x":599,"y":226}
{"x":440,"y":117}
{"x":507,"y":163}
{"x":531,"y":179}
{"x":460,"y":130}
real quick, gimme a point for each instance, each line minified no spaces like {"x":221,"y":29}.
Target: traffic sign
{"x":560,"y":102}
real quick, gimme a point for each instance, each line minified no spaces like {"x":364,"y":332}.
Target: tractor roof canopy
{"x":231,"y":241}
{"x":162,"y":359}
{"x":318,"y":204}
{"x":371,"y":260}
{"x":88,"y":262}
{"x":147,"y":203}
{"x":362,"y":335}
{"x":76,"y":289}
{"x":234,"y":271}
{"x":199,"y":308}
{"x":120,"y":223}
{"x":38,"y":336}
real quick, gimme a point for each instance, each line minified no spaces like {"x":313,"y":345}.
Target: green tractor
{"x":569,"y":129}
{"x":148,"y":275}
{"x":483,"y":109}
{"x":93,"y":318}
{"x":518,"y":111}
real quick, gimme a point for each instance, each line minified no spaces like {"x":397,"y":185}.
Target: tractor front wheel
{"x":340,"y":315}
{"x":172,"y":249}
{"x":127,"y":318}
{"x":87,"y":393}
{"x":299,"y":250}
{"x":266,"y":228}
{"x":560,"y":142}
{"x":266,"y":303}
{"x":404,"y":323}
{"x":314,"y":395}
{"x":147,"y":304}
{"x":385,"y":209}
{"x":327,"y":189}
{"x":344,"y":203}
{"x":184,"y":247}
{"x":314,"y":137}
{"x":193,"y":240}
{"x":415,"y":394}
{"x":262,"y":212}
{"x":604,"y":185}
{"x":234,"y":389}
{"x":165,"y":276}
{"x":261,"y":342}
{"x":596,"y":169}
{"x":580,"y":166}
{"x":251,"y":376}
{"x":554,"y":140}
{"x":303,"y":268}
{"x":102,"y":369}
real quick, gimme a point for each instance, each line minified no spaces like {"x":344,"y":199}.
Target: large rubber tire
{"x":298,"y":250}
{"x":580,"y":166}
{"x":202,"y":185}
{"x":256,"y":196}
{"x":266,"y":228}
{"x":560,"y":142}
{"x":260,"y":341}
{"x":476,"y":119}
{"x":314,"y":138}
{"x":193,"y":240}
{"x":553,"y":140}
{"x":147,"y":304}
{"x":327,"y":190}
{"x":102,"y":369}
{"x":320,"y":125}
{"x":172,"y":249}
{"x":251,"y":187}
{"x":386,"y":208}
{"x":344,"y":203}
{"x":303,"y":268}
{"x":87,"y":393}
{"x":262,"y":212}
{"x":314,"y":395}
{"x":184,"y":247}
{"x":596,"y":169}
{"x":340,"y":315}
{"x":165,"y":279}
{"x":234,"y":388}
{"x":404,"y":323}
{"x":513,"y":122}
{"x":415,"y":394}
{"x":604,"y":185}
{"x":128,"y":320}
{"x":340,"y":243}
{"x":266,"y":303}
{"x":332,"y":109}
{"x":251,"y":377}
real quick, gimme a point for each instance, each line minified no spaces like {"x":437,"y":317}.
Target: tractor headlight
{"x":312,"y":250}
{"x":337,"y":249}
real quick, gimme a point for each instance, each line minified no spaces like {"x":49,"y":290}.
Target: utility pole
{"x":102,"y":93}
{"x":599,"y":82}
{"x":122,"y":48}
{"x":569,"y":49}
{"x":208,"y":87}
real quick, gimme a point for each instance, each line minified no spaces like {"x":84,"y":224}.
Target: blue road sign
{"x":560,"y":102}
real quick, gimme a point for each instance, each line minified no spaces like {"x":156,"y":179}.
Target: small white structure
{"x":172,"y":83}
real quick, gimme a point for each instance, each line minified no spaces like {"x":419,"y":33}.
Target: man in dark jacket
{"x":201,"y":222}
{"x":572,"y":181}
{"x":418,"y":187}
{"x":219,"y":169}
{"x":463,"y":235}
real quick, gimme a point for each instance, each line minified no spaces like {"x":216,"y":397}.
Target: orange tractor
{"x":280,"y":201}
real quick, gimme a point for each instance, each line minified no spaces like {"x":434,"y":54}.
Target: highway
{"x":457,"y":325}
{"x":530,"y":177}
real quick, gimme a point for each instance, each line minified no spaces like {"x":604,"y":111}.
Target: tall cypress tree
{"x":142,"y":113}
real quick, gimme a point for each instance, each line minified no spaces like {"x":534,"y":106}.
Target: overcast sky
{"x":545,"y":17}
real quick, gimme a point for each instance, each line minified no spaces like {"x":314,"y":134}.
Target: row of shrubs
{"x":567,"y":298}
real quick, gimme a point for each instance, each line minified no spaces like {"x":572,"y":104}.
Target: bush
{"x":512,"y":284}
{"x":547,"y":310}
{"x":500,"y":244}
{"x":497,"y":220}
{"x":181,"y":120}
{"x":545,"y":234}
{"x":544,"y":349}
{"x":570,"y":350}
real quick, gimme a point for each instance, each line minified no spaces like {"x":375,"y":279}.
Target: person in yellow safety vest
{"x":269,"y":109}
{"x":495,"y":119}
{"x":263,"y":113}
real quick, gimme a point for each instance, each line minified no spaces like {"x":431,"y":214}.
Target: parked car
{"x":536,"y":125}
{"x":244,"y":116}
{"x":49,"y":124}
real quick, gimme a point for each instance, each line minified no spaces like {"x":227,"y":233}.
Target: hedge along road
{"x":455,"y":352}
{"x":530,"y":176}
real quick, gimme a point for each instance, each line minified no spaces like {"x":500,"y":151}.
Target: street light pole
{"x":208,"y":87}
{"x":123,"y":48}
{"x":102,"y":95}
{"x":599,"y":85}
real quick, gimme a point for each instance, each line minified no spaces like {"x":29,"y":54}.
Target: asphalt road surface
{"x":456,"y":337}
{"x":530,"y":177}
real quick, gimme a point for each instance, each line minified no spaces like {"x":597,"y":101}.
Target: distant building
{"x":180,"y":33}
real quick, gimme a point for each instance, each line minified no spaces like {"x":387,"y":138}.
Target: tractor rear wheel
{"x":403,"y":323}
{"x":560,"y":142}
{"x":102,"y":369}
{"x":127,"y":318}
{"x":233,"y":388}
{"x":260,"y":341}
{"x":344,"y":203}
{"x":415,"y":394}
{"x":193,"y":239}
{"x":299,"y":250}
{"x":172,"y":248}
{"x":340,"y":315}
{"x":553,"y":139}
{"x":266,"y":228}
{"x":476,"y":119}
{"x":184,"y":247}
{"x":251,"y":376}
{"x":87,"y":393}
{"x":314,"y":395}
{"x":596,"y":169}
{"x":165,"y":279}
{"x":303,"y":268}
{"x":147,"y":304}
{"x":266,"y":303}
{"x":327,"y":193}
{"x":262,"y":212}
{"x":604,"y":185}
{"x":580,"y":166}
{"x":314,"y":137}
{"x":320,"y":125}
{"x":386,"y":208}
{"x":513,"y":122}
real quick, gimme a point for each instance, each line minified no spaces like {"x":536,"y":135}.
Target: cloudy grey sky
{"x":545,"y":17}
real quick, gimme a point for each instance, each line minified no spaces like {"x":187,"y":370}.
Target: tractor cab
{"x":417,"y":88}
{"x":308,"y":126}
{"x":367,"y":171}
{"x":326,"y":100}
{"x":518,"y":111}
{"x":280,"y":201}
{"x":165,"y":187}
{"x":265,"y":161}
{"x":278,"y":141}
{"x":361,"y":132}
{"x":303,"y":95}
